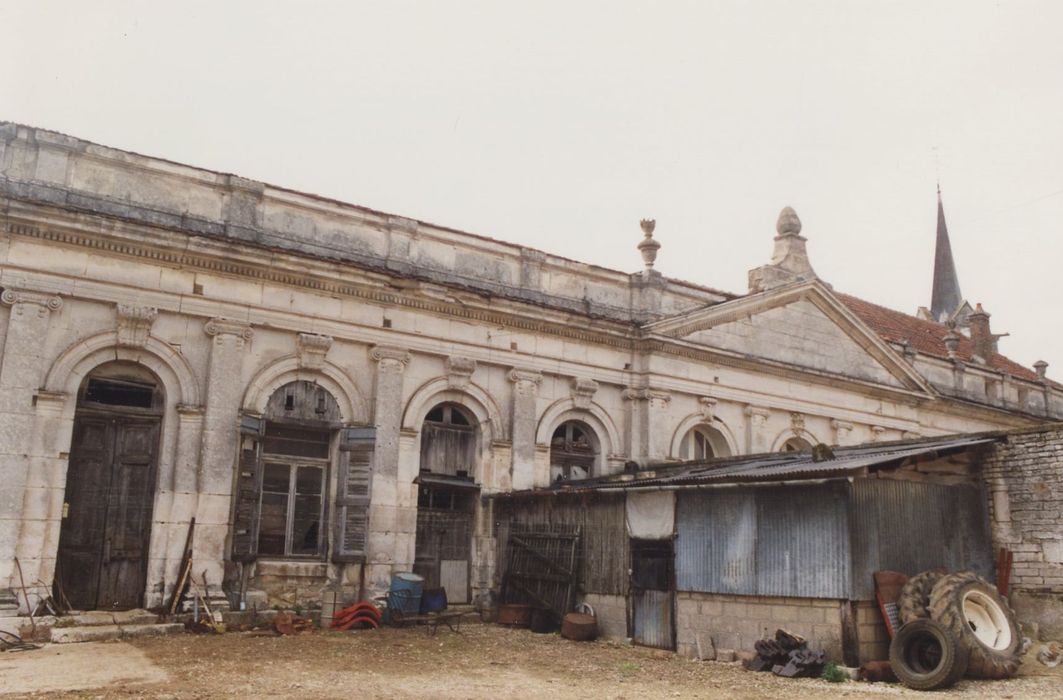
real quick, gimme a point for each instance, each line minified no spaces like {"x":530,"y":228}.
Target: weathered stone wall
{"x":1024,"y":476}
{"x":872,"y":637}
{"x":736,"y":622}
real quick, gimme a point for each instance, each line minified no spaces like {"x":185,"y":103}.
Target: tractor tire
{"x":914,"y":601}
{"x":983,"y":622}
{"x":924,"y":655}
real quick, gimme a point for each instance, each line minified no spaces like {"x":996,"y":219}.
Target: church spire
{"x":946,"y":297}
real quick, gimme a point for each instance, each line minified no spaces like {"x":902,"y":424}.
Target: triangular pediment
{"x":802,"y":326}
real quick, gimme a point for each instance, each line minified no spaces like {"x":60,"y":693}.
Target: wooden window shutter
{"x":352,"y":494}
{"x":248,"y":489}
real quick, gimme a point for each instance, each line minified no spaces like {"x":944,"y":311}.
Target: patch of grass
{"x":834,"y":673}
{"x":627,"y":667}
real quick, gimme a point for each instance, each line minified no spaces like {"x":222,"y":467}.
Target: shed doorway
{"x":446,"y":501}
{"x":110,"y":489}
{"x":653,"y":593}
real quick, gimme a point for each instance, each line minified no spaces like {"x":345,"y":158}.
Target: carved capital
{"x":525,"y":381}
{"x":134,"y":324}
{"x":389,"y":358}
{"x":189,"y":412}
{"x":218,"y":327}
{"x":758,"y":415}
{"x":583,"y":391}
{"x":24,"y":301}
{"x":312,"y":349}
{"x":459,"y":371}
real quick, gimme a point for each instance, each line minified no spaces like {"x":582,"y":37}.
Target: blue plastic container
{"x":406,"y":590}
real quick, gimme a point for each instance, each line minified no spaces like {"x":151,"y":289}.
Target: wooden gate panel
{"x":82,"y":533}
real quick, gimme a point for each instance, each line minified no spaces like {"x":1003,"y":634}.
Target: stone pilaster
{"x":525,"y":420}
{"x":218,"y":451}
{"x":393,"y":499}
{"x":650,"y":434}
{"x":21,"y":369}
{"x":756,"y":433}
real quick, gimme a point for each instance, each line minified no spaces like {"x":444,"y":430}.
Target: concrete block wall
{"x":736,"y":622}
{"x":611,"y":613}
{"x":873,"y":640}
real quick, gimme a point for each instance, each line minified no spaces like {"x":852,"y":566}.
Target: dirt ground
{"x":480,"y":662}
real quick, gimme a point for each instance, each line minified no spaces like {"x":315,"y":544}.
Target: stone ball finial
{"x":788,"y":223}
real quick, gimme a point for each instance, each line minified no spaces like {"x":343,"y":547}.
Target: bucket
{"x":405,"y":594}
{"x":433,"y":600}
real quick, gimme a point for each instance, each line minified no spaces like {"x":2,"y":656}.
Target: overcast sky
{"x":559,"y":125}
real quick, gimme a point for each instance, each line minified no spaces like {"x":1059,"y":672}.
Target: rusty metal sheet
{"x":653,"y":619}
{"x":911,"y":526}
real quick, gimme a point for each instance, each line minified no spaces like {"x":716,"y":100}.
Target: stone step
{"x":93,"y":618}
{"x":96,"y":633}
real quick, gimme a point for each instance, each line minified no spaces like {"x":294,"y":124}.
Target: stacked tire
{"x":953,"y":625}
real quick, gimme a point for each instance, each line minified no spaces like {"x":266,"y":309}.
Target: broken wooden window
{"x":448,"y":441}
{"x":703,"y":442}
{"x":573,"y":451}
{"x":357,"y":446}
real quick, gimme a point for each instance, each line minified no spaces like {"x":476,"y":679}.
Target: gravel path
{"x":481,"y":662}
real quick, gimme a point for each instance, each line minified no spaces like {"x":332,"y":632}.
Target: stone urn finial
{"x":647,"y":246}
{"x":1041,"y":367}
{"x":952,"y":343}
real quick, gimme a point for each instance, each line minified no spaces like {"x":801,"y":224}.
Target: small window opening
{"x":289,"y":403}
{"x":110,"y":392}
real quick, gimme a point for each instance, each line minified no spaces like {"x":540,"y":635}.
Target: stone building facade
{"x":330,"y":390}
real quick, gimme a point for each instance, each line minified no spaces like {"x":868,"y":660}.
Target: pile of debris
{"x":788,"y":656}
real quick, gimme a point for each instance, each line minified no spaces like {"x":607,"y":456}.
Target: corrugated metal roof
{"x":788,"y":466}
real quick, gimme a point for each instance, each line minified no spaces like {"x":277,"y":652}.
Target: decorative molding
{"x":187,"y":411}
{"x":134,"y":324}
{"x":390,"y":358}
{"x":876,"y":433}
{"x":797,"y":423}
{"x":707,"y":408}
{"x":758,"y":415}
{"x":842,"y":429}
{"x":51,"y":400}
{"x":658,"y":398}
{"x":525,"y":381}
{"x":311,"y":349}
{"x":459,"y":371}
{"x":19,"y":299}
{"x":583,"y":391}
{"x":910,"y":435}
{"x":217,"y":327}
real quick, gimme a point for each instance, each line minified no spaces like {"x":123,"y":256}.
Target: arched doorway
{"x":110,"y":488}
{"x":446,"y":500}
{"x":573,"y":451}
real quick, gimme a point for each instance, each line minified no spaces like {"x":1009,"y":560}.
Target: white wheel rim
{"x":987,"y":620}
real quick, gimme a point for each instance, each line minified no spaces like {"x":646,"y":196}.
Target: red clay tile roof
{"x":924,"y":336}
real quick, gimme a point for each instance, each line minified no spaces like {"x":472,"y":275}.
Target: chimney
{"x":983,"y":344}
{"x":1041,"y":367}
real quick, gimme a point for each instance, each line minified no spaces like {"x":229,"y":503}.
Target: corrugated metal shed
{"x":790,"y":466}
{"x":911,"y":526}
{"x":791,"y":541}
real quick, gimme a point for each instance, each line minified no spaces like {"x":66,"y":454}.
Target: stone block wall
{"x":1024,"y":476}
{"x":736,"y":622}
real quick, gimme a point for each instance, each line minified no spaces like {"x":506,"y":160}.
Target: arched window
{"x":573,"y":451}
{"x":448,"y":441}
{"x":296,"y":453}
{"x":796,"y":444}
{"x":703,"y":442}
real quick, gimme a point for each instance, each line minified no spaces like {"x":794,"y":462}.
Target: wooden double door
{"x":103,"y":542}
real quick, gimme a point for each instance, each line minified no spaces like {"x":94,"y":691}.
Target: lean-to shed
{"x":730,"y":550}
